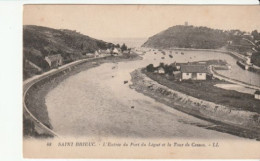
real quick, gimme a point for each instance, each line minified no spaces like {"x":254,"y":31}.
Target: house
{"x":54,"y":60}
{"x":159,"y":70}
{"x":257,"y":94}
{"x":230,"y":42}
{"x":248,"y":60}
{"x":249,"y":53}
{"x":116,"y":51}
{"x":108,"y":51}
{"x":194,"y":72}
{"x":176,"y":65}
{"x":97,"y":53}
{"x":89,"y":55}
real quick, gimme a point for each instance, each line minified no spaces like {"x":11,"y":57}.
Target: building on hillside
{"x":54,"y":60}
{"x":230,"y":42}
{"x":176,"y":65}
{"x":257,"y":95}
{"x":97,"y":53}
{"x":248,"y":60}
{"x":159,"y":70}
{"x":249,"y":53}
{"x":89,"y":55}
{"x":193,"y":72}
{"x":116,"y":51}
{"x":108,"y":51}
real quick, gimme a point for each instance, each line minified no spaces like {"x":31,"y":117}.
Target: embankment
{"x":36,"y":119}
{"x":242,"y":123}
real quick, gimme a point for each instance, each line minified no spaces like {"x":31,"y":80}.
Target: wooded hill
{"x":195,"y":37}
{"x":39,"y":42}
{"x":187,"y":37}
{"x":181,"y":36}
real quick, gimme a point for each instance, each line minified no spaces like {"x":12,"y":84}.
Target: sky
{"x":143,"y":21}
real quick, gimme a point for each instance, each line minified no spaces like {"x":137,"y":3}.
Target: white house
{"x":194,"y":72}
{"x":54,"y":60}
{"x":116,"y":51}
{"x":161,"y":70}
{"x":108,"y":51}
{"x":97,"y":53}
{"x":89,"y":55}
{"x":248,"y":60}
{"x":257,"y":95}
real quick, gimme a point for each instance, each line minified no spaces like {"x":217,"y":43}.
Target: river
{"x":97,"y":103}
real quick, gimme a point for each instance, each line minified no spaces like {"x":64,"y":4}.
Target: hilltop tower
{"x":186,"y":23}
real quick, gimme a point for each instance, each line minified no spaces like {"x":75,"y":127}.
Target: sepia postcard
{"x":141,"y":81}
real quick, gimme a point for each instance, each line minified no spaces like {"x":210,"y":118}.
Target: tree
{"x":161,"y":65}
{"x":117,"y":46}
{"x":168,"y":69}
{"x":110,"y":45}
{"x":150,"y":68}
{"x":123,"y":47}
{"x":255,"y":34}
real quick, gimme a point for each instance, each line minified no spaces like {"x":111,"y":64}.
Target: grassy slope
{"x":39,"y":42}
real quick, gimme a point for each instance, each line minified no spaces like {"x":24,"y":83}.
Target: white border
{"x":188,"y":2}
{"x":11,"y":64}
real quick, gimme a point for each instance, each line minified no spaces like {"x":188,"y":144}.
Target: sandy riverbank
{"x":35,"y":96}
{"x":237,"y":122}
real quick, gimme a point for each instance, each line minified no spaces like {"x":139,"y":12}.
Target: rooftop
{"x":194,"y":68}
{"x":54,"y":57}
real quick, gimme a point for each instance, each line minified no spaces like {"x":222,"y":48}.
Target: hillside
{"x":195,"y":37}
{"x":206,"y":38}
{"x":39,"y":42}
{"x":187,"y":37}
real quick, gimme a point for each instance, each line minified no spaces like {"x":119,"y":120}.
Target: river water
{"x":97,"y":103}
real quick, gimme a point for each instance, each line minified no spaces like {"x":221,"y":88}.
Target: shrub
{"x":150,"y":68}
